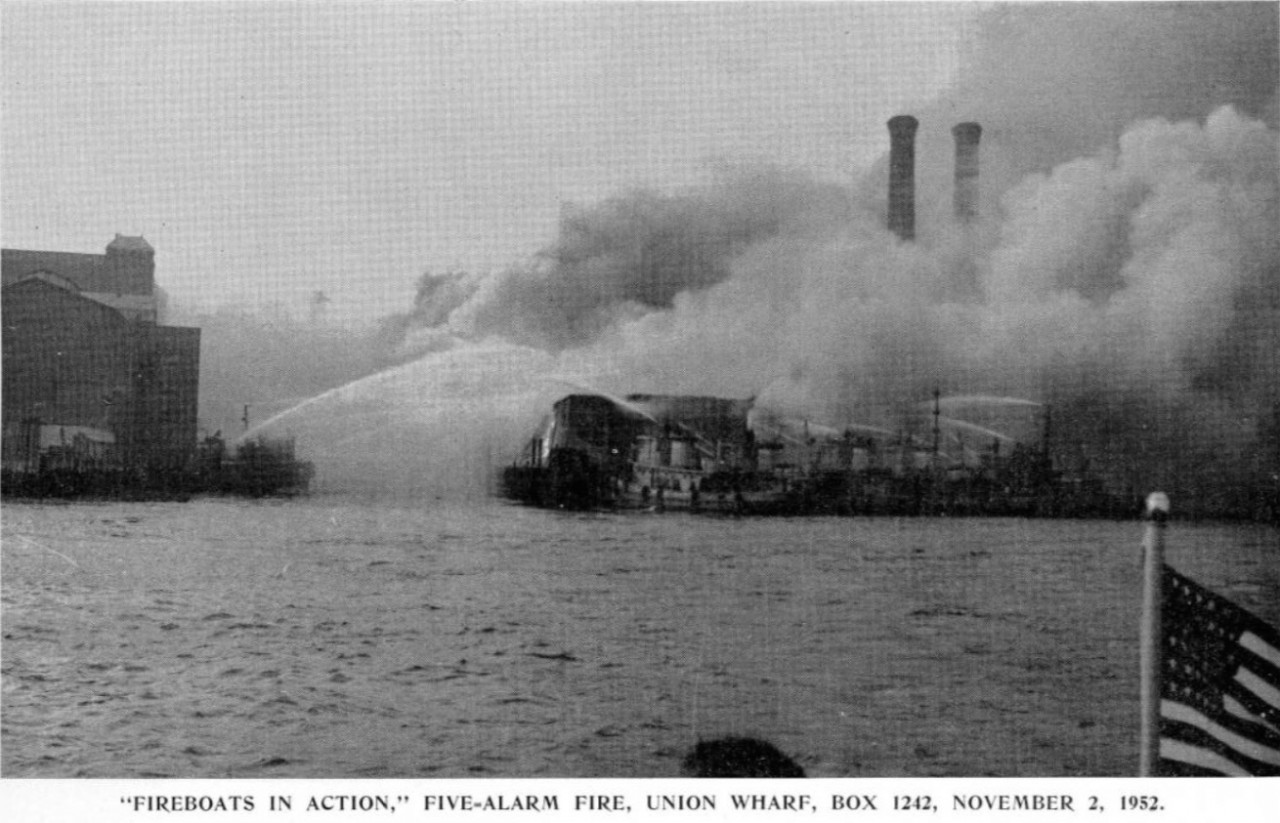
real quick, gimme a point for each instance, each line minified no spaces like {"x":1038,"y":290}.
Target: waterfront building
{"x":92,"y":379}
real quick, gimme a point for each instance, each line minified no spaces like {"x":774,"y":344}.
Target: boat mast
{"x":937,"y":411}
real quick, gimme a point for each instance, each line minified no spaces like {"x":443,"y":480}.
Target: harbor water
{"x":330,"y":637}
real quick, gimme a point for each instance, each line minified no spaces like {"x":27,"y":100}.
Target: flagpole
{"x":1156,"y":514}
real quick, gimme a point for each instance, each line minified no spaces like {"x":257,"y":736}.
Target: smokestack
{"x":967,"y":136}
{"x":902,"y":172}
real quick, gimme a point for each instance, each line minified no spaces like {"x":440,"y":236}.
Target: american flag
{"x":1220,"y":685}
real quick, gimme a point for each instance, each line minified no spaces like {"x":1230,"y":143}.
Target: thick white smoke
{"x":1135,"y":290}
{"x":1125,"y":269}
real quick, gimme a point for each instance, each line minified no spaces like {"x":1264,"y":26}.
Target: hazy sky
{"x":267,"y":150}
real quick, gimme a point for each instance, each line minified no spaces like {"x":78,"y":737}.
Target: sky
{"x":269,"y":151}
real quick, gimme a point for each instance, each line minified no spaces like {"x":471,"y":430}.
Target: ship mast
{"x":937,"y":411}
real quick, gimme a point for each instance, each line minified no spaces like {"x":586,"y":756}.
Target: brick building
{"x":91,"y":380}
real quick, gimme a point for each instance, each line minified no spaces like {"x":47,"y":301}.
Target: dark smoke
{"x":625,"y":257}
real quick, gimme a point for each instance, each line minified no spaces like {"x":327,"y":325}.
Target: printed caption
{"x":956,"y":804}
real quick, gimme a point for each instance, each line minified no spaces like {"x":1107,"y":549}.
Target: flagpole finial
{"x":1157,"y":506}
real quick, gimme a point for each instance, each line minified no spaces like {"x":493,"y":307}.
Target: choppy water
{"x":328,"y":638}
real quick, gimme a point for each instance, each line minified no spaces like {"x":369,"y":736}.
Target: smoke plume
{"x":1124,"y":268}
{"x":621,"y":259}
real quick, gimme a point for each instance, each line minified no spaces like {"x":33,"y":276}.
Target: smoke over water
{"x":627,"y":257}
{"x":1124,"y":269}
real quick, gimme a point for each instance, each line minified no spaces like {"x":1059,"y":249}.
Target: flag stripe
{"x":1260,"y":732}
{"x":1228,"y":737}
{"x":1268,"y":673}
{"x":1220,"y":706}
{"x":1198,"y":738}
{"x":1235,"y":707}
{"x":1264,"y":691}
{"x":1261,"y":648}
{"x":1256,"y":682}
{"x":1207,"y":761}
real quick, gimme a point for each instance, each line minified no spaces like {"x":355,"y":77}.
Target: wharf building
{"x":93,"y":382}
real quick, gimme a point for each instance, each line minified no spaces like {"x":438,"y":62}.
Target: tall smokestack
{"x":902,"y":172}
{"x":967,"y":136}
